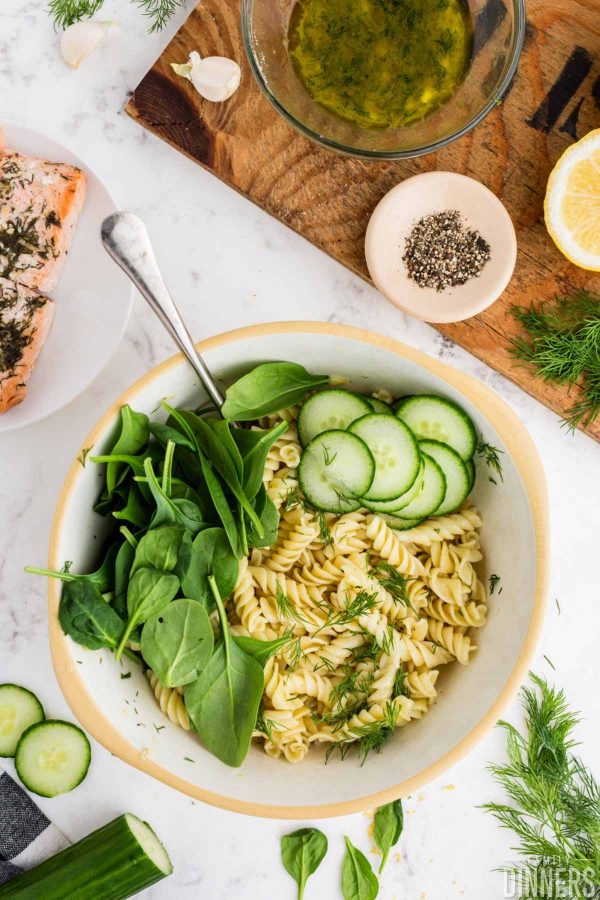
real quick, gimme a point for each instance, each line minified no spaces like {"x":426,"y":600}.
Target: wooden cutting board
{"x":554,"y":99}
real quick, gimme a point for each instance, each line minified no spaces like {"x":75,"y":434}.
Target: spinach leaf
{"x":132,"y":438}
{"x":178,"y":642}
{"x":168,"y":511}
{"x":254,"y":447}
{"x":302,"y":852}
{"x":87,"y":618}
{"x":261,"y":651}
{"x":123,"y":564}
{"x":102,"y":578}
{"x":165,"y":433}
{"x":269,"y":518}
{"x":267,"y":389}
{"x":148,"y":592}
{"x":136,"y":463}
{"x":223,"y":701}
{"x":222,"y":429}
{"x":209,"y":554}
{"x":358,"y":879}
{"x":135,"y":510}
{"x":387,"y":828}
{"x":222,"y":508}
{"x":159,"y":548}
{"x":211,"y":445}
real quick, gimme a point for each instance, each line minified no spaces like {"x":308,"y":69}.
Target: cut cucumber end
{"x":458,"y":481}
{"x":19,"y":709}
{"x":149,"y":843}
{"x":395,"y":451}
{"x":336,"y":468}
{"x":52,"y":757}
{"x":331,"y":410}
{"x":438,"y":419}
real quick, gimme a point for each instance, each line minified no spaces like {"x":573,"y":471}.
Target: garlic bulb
{"x":80,"y":39}
{"x":215,"y":78}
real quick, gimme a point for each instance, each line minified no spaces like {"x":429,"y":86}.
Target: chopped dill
{"x":361,"y":604}
{"x":491,"y":457}
{"x":401,"y":688}
{"x":285,"y":608}
{"x":493,"y":582}
{"x":371,"y":736}
{"x":394,"y":583}
{"x":328,"y":457}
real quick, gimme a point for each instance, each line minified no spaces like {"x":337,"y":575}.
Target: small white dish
{"x":393,"y":219}
{"x":92,"y":299}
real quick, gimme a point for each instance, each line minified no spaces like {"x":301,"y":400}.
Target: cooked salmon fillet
{"x":25,"y":319}
{"x":40,"y":203}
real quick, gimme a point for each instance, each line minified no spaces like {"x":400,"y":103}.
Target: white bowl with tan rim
{"x":471,"y":699}
{"x":392,"y":221}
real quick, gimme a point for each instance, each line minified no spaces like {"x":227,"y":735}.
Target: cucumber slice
{"x":329,"y":411}
{"x":472,"y":473}
{"x":19,"y":708}
{"x":398,"y":503}
{"x":400,"y":524}
{"x":432,"y":494}
{"x":458,"y":482}
{"x":335,"y":470}
{"x":438,"y":419}
{"x":396,"y":453}
{"x":52,"y":757}
{"x":112,"y":863}
{"x":380,"y":406}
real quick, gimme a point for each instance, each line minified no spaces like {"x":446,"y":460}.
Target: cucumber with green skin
{"x":19,"y":708}
{"x":113,"y":863}
{"x":52,"y":757}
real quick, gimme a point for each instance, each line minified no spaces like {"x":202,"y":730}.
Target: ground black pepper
{"x":441,"y":251}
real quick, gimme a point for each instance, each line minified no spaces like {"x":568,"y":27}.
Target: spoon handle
{"x":125,"y":238}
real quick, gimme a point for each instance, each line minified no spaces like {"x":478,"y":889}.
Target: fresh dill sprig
{"x":65,"y":12}
{"x":348,"y":695}
{"x":371,"y":736}
{"x":264,"y":725}
{"x":391,"y":579}
{"x":553,"y":805}
{"x":293,"y":498}
{"x":294,"y":653}
{"x":159,"y":11}
{"x":563,"y":344}
{"x":361,"y":604}
{"x":285,"y":607}
{"x":491,"y":457}
{"x":401,"y":688}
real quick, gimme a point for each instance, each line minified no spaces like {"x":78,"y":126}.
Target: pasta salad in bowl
{"x":341,"y":551}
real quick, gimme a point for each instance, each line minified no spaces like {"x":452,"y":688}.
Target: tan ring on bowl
{"x":523,"y":454}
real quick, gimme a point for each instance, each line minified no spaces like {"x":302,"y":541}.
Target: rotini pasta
{"x":370,"y":614}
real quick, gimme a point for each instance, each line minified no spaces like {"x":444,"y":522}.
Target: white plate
{"x":93,"y":300}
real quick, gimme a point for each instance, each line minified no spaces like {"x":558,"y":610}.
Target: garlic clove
{"x":215,"y":78}
{"x":80,"y":39}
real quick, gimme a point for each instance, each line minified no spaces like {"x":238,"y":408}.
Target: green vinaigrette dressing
{"x":381,"y":63}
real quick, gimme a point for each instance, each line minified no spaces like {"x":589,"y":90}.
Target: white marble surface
{"x":228,"y":264}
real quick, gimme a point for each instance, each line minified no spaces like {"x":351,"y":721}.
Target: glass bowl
{"x":499,"y":30}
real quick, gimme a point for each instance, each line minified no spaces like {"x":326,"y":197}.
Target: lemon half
{"x":572,"y":204}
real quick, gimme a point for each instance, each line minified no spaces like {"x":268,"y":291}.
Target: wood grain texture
{"x":328,"y":198}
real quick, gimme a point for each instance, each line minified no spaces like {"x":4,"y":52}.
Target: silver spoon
{"x":125,"y":238}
